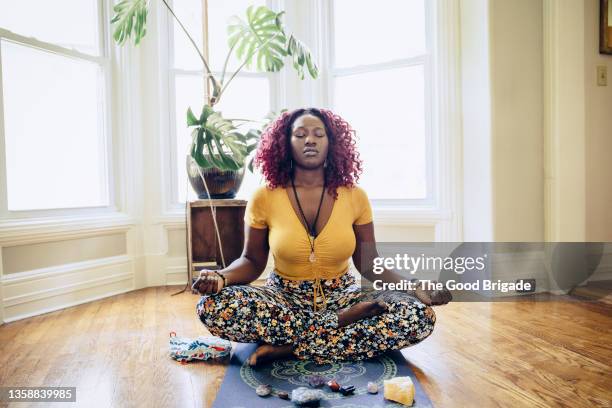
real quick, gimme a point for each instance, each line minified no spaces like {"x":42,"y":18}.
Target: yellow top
{"x":288,"y":240}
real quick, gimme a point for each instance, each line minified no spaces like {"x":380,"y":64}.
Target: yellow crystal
{"x":400,"y":389}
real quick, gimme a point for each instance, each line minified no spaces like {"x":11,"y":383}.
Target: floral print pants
{"x":281,"y":312}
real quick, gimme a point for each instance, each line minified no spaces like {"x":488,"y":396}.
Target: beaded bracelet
{"x":222,"y":277}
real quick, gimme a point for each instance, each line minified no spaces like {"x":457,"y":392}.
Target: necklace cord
{"x":317,"y":288}
{"x":311,"y":230}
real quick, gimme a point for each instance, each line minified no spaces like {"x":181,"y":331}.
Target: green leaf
{"x":206,"y":112}
{"x":214,"y":131}
{"x":191,"y":119}
{"x":130,"y":19}
{"x":301,"y":56}
{"x":238,"y":148}
{"x":252,"y":134}
{"x":270,"y":117}
{"x":218,"y":124}
{"x":259,"y":41}
{"x":217,"y":142}
{"x":197,"y":149}
{"x":230,"y":162}
{"x":250,"y":148}
{"x":216,"y":162}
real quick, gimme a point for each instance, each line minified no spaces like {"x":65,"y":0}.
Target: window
{"x":376,"y":64}
{"x":379,"y":83}
{"x":55,"y":71}
{"x":248,"y":97}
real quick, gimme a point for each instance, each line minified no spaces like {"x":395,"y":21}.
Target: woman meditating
{"x":313,"y":218}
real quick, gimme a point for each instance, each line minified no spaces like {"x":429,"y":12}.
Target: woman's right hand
{"x":432,"y":297}
{"x":208,"y":282}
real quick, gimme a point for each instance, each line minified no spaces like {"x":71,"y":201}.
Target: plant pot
{"x":221,"y":184}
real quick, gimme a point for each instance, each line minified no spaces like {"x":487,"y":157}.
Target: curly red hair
{"x":273,"y":154}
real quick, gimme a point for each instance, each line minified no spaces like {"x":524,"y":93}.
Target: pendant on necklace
{"x":312,"y":257}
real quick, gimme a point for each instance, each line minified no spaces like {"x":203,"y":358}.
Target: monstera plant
{"x":260,"y":42}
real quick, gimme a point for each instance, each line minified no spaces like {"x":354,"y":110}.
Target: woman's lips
{"x":310,"y":153}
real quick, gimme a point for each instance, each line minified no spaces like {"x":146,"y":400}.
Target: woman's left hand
{"x":432,"y":297}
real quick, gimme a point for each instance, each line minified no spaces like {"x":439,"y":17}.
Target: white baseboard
{"x":509,"y":267}
{"x":64,"y":305}
{"x":602,"y":274}
{"x":31,"y":293}
{"x":35,"y":292}
{"x":604,"y":269}
{"x":140,"y":272}
{"x":176,"y":275}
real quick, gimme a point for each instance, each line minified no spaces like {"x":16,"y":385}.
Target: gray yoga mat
{"x":238,"y":386}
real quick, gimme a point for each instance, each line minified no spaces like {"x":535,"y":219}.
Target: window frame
{"x":442,"y":210}
{"x":276,"y":91}
{"x":106,"y":98}
{"x":424,"y":60}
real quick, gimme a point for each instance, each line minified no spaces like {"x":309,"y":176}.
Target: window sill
{"x":404,"y":215}
{"x":387,"y":215}
{"x":173,"y":219}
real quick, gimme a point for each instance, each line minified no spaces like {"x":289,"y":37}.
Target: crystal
{"x":316,"y":381}
{"x":306,"y":397}
{"x":347,"y":390}
{"x":399,"y":389}
{"x":263,"y":390}
{"x":283,"y":395}
{"x":333,"y":385}
{"x":372,"y":387}
{"x":312,"y":257}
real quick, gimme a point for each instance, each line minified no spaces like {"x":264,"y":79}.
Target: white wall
{"x":30,"y":256}
{"x":476,"y":104}
{"x":502,"y":66}
{"x":598,"y":132}
{"x":504,"y":114}
{"x":517,"y":119}
{"x":530,"y":116}
{"x":598,"y":101}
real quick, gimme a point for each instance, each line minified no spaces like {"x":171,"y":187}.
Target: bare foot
{"x":360,"y":311}
{"x":269,"y":352}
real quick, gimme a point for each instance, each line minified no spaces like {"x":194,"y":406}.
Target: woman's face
{"x":309,"y":142}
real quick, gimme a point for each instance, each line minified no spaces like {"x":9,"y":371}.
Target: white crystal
{"x":263,"y":390}
{"x":303,"y":396}
{"x":372,"y":387}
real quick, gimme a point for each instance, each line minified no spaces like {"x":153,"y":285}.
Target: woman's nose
{"x":311,"y":139}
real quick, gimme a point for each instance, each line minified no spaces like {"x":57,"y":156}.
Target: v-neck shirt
{"x":288,"y":239}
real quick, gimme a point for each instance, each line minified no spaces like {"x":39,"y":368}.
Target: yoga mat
{"x":238,"y":387}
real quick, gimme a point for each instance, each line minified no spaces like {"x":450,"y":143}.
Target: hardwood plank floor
{"x":507,"y":354}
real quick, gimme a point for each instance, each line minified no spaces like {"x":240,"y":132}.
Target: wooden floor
{"x":511,"y":354}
